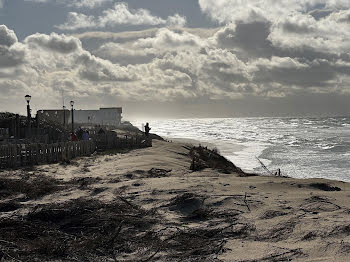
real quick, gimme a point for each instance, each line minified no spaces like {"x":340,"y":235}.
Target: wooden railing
{"x":16,"y":155}
{"x":110,"y":141}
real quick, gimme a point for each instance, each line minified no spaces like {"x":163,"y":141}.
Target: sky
{"x":177,"y":59}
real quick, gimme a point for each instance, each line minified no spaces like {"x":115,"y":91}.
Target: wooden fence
{"x":110,"y":141}
{"x":33,"y":154}
{"x":17,"y":155}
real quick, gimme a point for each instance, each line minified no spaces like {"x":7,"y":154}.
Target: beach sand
{"x":191,"y":216}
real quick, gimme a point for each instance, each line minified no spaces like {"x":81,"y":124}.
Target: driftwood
{"x":264,"y":167}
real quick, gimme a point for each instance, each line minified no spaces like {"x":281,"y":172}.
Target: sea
{"x":307,"y":147}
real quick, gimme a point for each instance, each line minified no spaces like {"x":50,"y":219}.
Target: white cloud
{"x":76,"y":3}
{"x":54,"y":42}
{"x":12,"y":53}
{"x":12,"y":56}
{"x":7,"y":36}
{"x":120,"y":14}
{"x":227,"y":11}
{"x":302,"y":30}
{"x":342,"y":16}
{"x":145,"y":48}
{"x":279,"y":62}
{"x":88,"y":3}
{"x":176,"y":20}
{"x":167,"y":40}
{"x":77,"y":21}
{"x":242,"y":59}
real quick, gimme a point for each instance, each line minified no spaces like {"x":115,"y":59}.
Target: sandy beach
{"x":148,"y":205}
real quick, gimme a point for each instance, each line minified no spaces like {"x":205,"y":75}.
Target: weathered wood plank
{"x":36,"y":153}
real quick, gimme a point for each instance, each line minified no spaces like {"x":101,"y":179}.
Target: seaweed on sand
{"x":91,"y":230}
{"x":81,"y":229}
{"x":31,"y":187}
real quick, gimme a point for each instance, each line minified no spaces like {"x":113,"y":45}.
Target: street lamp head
{"x":72,"y":103}
{"x":28,"y":97}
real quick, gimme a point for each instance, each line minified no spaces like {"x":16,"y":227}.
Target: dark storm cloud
{"x":246,"y":39}
{"x":312,"y":74}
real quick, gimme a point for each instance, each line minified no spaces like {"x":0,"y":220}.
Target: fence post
{"x":1,"y":155}
{"x":48,"y":153}
{"x":25,"y":159}
{"x":14,"y":155}
{"x":56,"y":152}
{"x":62,"y":152}
{"x":70,"y":150}
{"x":74,"y":149}
{"x":38,"y":153}
{"x":78,"y":153}
{"x":80,"y":148}
{"x":9,"y":156}
{"x":36,"y":158}
{"x":43,"y":153}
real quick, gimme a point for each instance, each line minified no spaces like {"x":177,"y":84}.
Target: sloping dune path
{"x":162,"y":211}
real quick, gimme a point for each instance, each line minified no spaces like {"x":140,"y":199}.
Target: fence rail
{"x":17,"y":155}
{"x":111,"y":141}
{"x":33,"y":154}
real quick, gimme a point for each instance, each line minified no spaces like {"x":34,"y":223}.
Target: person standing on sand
{"x":147,"y":129}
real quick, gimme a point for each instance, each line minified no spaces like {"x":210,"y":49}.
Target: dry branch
{"x":246,"y":201}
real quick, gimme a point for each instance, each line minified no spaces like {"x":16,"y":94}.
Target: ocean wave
{"x":327,"y":147}
{"x":292,"y":144}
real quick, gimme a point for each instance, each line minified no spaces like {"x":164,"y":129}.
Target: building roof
{"x":102,"y":108}
{"x":52,"y":110}
{"x":110,"y":108}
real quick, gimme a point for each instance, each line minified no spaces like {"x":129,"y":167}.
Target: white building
{"x":104,"y":116}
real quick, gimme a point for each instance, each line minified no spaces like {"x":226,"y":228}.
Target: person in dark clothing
{"x":101,"y":131}
{"x":74,"y":137}
{"x":79,"y":133}
{"x":85,"y":135}
{"x":147,"y":129}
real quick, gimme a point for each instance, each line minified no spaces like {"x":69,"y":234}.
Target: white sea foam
{"x":300,"y":147}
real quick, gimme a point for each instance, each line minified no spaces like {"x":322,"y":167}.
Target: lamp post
{"x":64,"y":116}
{"x":72,"y":104}
{"x":28,"y":98}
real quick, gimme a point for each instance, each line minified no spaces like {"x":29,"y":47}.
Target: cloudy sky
{"x":183,"y":58}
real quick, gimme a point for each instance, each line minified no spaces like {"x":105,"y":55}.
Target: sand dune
{"x":147,"y":205}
